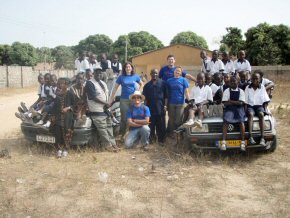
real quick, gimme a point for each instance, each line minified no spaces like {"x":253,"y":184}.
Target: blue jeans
{"x":136,"y":134}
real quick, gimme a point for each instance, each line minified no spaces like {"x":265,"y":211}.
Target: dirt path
{"x":9,"y":101}
{"x":158,"y":183}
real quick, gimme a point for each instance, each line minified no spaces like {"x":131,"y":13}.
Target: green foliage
{"x":64,"y":57}
{"x":97,"y":44}
{"x":44,"y":55}
{"x":23,"y":54}
{"x":268,"y":45}
{"x":189,"y":38}
{"x":233,"y":40}
{"x":4,"y":54}
{"x":138,"y":43}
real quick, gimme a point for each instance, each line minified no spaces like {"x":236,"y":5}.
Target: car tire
{"x":273,"y":144}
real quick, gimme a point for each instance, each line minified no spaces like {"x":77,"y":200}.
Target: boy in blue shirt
{"x":138,"y":116}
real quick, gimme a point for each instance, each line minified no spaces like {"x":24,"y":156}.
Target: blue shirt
{"x":138,"y":113}
{"x":176,"y":87}
{"x":129,"y":84}
{"x":166,"y":73}
{"x":155,"y":95}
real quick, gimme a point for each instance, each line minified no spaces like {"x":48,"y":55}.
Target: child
{"x":216,"y":108}
{"x":269,"y":85}
{"x":227,"y":81}
{"x":78,"y":92}
{"x":243,"y":80}
{"x":200,"y":95}
{"x":63,"y":112}
{"x":256,"y":97}
{"x":233,"y":100}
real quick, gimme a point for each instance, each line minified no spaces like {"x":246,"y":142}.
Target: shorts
{"x":256,"y":109}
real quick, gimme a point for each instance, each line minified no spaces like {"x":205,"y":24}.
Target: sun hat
{"x":137,"y":93}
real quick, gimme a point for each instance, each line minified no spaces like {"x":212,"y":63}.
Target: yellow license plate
{"x":232,"y":143}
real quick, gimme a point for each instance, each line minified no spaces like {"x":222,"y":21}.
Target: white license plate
{"x":45,"y":138}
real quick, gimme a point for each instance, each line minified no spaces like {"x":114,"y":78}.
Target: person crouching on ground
{"x":138,"y":116}
{"x":234,"y":111}
{"x":201,"y":95}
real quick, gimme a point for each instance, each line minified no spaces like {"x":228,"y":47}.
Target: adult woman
{"x":177,"y":88}
{"x":130,"y":82}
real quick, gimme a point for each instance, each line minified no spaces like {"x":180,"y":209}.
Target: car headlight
{"x":195,"y":129}
{"x":256,"y":125}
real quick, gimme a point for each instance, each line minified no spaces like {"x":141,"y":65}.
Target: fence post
{"x":7,"y":77}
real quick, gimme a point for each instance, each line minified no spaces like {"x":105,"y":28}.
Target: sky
{"x":65,"y":22}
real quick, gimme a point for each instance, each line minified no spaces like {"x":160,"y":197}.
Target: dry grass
{"x":164,"y":182}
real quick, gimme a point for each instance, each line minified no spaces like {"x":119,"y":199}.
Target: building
{"x":186,"y":56}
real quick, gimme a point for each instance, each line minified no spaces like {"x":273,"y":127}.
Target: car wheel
{"x":272,"y":144}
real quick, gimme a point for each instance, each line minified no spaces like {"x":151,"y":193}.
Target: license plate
{"x":45,"y":138}
{"x":231,"y":143}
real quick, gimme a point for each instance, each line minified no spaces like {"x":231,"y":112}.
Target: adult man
{"x":167,"y":71}
{"x":138,"y":116}
{"x":156,"y":99}
{"x":81,"y":63}
{"x":215,"y":65}
{"x":228,"y":63}
{"x":205,"y":59}
{"x":98,"y":97}
{"x":241,"y":64}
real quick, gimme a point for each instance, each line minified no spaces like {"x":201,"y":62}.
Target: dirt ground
{"x":160,"y":183}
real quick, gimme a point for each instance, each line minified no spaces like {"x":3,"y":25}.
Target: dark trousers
{"x":157,"y":122}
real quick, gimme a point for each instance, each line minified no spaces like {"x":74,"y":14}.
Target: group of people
{"x":222,"y":88}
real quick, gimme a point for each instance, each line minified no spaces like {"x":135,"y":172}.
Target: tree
{"x":189,"y":38}
{"x":138,"y":43}
{"x":23,"y":54}
{"x":97,"y":44}
{"x":64,"y":57}
{"x":268,"y":45}
{"x":4,"y":54}
{"x":233,"y":40}
{"x":44,"y":55}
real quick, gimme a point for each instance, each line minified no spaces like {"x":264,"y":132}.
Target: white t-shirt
{"x":201,"y":94}
{"x":265,"y":81}
{"x":242,"y":66}
{"x":214,"y":88}
{"x":256,"y":97}
{"x":215,"y":66}
{"x":81,"y":66}
{"x":229,"y":67}
{"x":204,"y":64}
{"x":226,"y":94}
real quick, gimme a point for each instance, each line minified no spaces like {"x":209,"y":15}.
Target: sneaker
{"x":59,"y":153}
{"x":40,"y":122}
{"x":198,"y":123}
{"x":25,"y":109}
{"x":262,"y":142}
{"x":189,"y":123}
{"x":20,"y":110}
{"x":223,"y":146}
{"x":115,"y":120}
{"x":252,"y":141}
{"x":64,"y":153}
{"x":146,"y":147}
{"x":243,"y":146}
{"x":47,"y":124}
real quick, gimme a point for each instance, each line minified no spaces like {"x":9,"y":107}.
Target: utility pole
{"x":126,"y":49}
